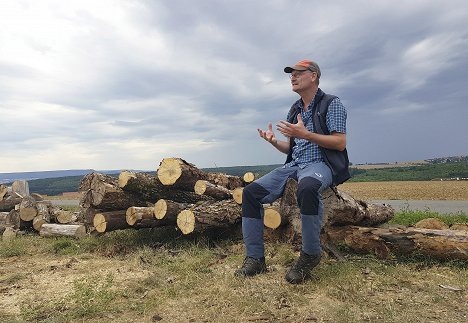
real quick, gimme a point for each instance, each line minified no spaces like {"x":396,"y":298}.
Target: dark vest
{"x":335,"y":159}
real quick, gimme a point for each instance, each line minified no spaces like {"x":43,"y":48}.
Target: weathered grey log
{"x":21,"y":187}
{"x":61,"y":216}
{"x":439,"y":244}
{"x":9,"y":203}
{"x":3,"y":191}
{"x":102,"y":192}
{"x":43,"y":215}
{"x":209,"y":215}
{"x":57,"y":230}
{"x":27,"y":208}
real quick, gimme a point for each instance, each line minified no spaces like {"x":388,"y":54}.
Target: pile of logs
{"x":194,"y":201}
{"x":20,"y":210}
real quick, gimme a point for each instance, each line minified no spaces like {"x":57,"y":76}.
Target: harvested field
{"x":407,"y":190}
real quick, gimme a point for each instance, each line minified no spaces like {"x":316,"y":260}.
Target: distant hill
{"x":51,"y":183}
{"x":11,"y":177}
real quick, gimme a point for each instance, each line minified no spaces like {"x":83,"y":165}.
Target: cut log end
{"x":186,"y":221}
{"x":169,"y":171}
{"x":271,"y":218}
{"x":160,"y":209}
{"x":124,"y":177}
{"x":100,"y":223}
{"x":131,"y":215}
{"x":200,"y":187}
{"x":237,"y":195}
{"x":28,"y":213}
{"x":249,"y":177}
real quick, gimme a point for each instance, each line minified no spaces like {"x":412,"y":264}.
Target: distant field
{"x":407,"y":190}
{"x":397,"y":164}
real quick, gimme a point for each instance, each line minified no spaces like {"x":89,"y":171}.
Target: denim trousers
{"x":312,"y":180}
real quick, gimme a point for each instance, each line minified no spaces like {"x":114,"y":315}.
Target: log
{"x":102,"y":192}
{"x":217,"y":192}
{"x":61,"y":216}
{"x":110,"y":221}
{"x":168,"y":210}
{"x":248,"y":177}
{"x":228,"y":181}
{"x":340,"y":208}
{"x":20,"y":187}
{"x":42,"y":217}
{"x":237,"y":194}
{"x":272,"y":216}
{"x":3,"y":191}
{"x":149,"y":188}
{"x":58,"y":230}
{"x":208,"y":215}
{"x":8,"y":204}
{"x":27,"y":209}
{"x":86,"y":215}
{"x":178,"y":173}
{"x":135,"y":214}
{"x":439,"y":244}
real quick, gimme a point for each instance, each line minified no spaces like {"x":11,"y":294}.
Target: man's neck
{"x":307,"y":96}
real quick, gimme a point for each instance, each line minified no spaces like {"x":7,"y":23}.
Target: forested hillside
{"x":427,"y":172}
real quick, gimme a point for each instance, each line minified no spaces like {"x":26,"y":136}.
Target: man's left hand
{"x":296,"y":130}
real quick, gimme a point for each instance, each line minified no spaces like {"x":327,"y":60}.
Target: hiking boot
{"x":251,"y":267}
{"x":301,"y":269}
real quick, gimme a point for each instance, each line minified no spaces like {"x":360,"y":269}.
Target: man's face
{"x":302,"y":80}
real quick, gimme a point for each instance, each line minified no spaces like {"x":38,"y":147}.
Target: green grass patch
{"x":409,"y":218}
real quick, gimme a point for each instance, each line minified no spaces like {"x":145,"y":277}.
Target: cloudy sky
{"x":122,"y":84}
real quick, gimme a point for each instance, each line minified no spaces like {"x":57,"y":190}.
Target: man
{"x":317,"y":158}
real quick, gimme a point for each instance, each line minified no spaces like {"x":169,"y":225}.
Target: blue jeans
{"x":312,"y":180}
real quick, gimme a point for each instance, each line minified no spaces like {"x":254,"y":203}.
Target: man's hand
{"x":296,"y":130}
{"x":268,"y":135}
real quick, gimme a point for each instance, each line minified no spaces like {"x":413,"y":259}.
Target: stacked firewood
{"x":193,"y":201}
{"x":23,"y":211}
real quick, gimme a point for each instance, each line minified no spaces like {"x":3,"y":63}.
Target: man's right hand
{"x":268,"y":135}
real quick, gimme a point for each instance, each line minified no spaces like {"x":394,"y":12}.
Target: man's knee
{"x":251,"y":197}
{"x":308,"y":196}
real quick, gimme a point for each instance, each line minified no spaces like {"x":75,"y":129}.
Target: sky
{"x":123,"y":84}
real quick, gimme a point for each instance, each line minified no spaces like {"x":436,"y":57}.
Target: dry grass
{"x":193,"y":282}
{"x":408,"y":190}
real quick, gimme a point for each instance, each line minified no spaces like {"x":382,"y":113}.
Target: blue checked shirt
{"x":306,"y":152}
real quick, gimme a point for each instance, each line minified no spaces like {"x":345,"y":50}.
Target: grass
{"x":152,"y":275}
{"x":410,"y":218}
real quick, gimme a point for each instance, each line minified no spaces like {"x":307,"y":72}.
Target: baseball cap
{"x":304,"y":65}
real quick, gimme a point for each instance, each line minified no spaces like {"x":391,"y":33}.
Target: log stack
{"x":194,"y":201}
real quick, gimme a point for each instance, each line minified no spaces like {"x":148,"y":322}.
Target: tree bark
{"x":439,"y":244}
{"x":136,"y":214}
{"x":180,"y":174}
{"x":339,"y":208}
{"x":8,"y":204}
{"x":102,"y":192}
{"x":150,"y":189}
{"x":209,"y":215}
{"x":57,"y":230}
{"x":3,"y":191}
{"x":43,"y":215}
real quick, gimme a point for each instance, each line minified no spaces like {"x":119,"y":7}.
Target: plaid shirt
{"x":306,"y":152}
